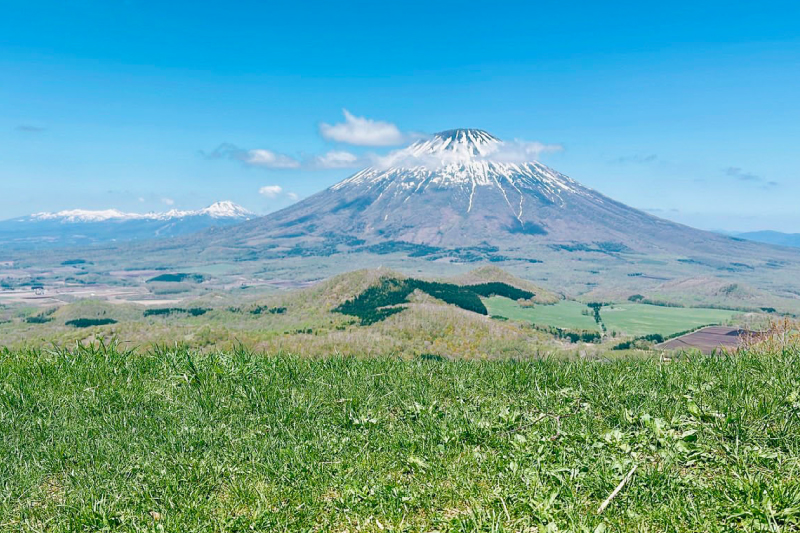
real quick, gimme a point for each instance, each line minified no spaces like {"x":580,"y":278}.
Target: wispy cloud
{"x":362,"y":131}
{"x":276,"y":191}
{"x":516,"y":151}
{"x":29,"y":128}
{"x":636,"y":159}
{"x":520,"y":151}
{"x":259,"y":157}
{"x":223,"y":151}
{"x":336,"y":159}
{"x":270,"y":159}
{"x":741,"y":175}
{"x":265,"y":158}
{"x":168,"y":201}
{"x":270,"y":191}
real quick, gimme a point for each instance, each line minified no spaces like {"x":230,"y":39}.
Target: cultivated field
{"x":628,"y":319}
{"x":707,"y":340}
{"x":100,"y":440}
{"x":564,"y":314}
{"x":642,"y":319}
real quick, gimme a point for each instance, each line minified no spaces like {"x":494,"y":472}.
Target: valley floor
{"x":99,"y":439}
{"x":482,"y":314}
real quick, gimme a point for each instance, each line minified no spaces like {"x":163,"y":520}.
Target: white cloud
{"x":519,"y":151}
{"x":265,"y":158}
{"x":362,"y":131}
{"x":516,"y":151}
{"x":259,"y":157}
{"x":336,"y":159}
{"x":270,"y":159}
{"x":276,"y":191}
{"x":168,"y":201}
{"x":270,"y":191}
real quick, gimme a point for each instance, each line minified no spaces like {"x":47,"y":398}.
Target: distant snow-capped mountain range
{"x":88,"y":227}
{"x":224,"y":209}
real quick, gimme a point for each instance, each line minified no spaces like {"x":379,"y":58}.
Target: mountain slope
{"x":465,"y":188}
{"x":85,"y":227}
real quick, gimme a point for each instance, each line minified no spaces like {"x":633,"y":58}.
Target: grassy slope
{"x":239,"y":442}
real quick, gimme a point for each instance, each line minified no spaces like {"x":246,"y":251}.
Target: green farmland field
{"x":566,"y":314}
{"x":631,"y":319}
{"x":641,"y":319}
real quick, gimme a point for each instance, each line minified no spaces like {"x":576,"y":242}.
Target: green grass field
{"x":641,"y":319}
{"x":630,"y":318}
{"x":99,"y":440}
{"x":564,"y":314}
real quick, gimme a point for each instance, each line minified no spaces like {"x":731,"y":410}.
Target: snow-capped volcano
{"x":225,"y":209}
{"x":82,"y":226}
{"x":466,"y":160}
{"x":466,"y":187}
{"x":464,"y":146}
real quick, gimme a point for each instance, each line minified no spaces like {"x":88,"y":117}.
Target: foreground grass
{"x":98,"y":439}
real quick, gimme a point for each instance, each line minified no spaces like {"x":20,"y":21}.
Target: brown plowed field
{"x":706,"y":339}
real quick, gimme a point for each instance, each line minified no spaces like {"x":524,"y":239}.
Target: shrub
{"x":38,"y":319}
{"x":176,"y":278}
{"x":642,"y":342}
{"x":432,"y":357}
{"x":165,"y":311}
{"x":572,"y":336}
{"x":89,"y":322}
{"x":261,"y":309}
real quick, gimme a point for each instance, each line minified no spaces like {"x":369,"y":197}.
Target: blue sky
{"x":687,"y":109}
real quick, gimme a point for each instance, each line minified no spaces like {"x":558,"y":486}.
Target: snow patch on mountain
{"x":463,"y":146}
{"x":466,"y":159}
